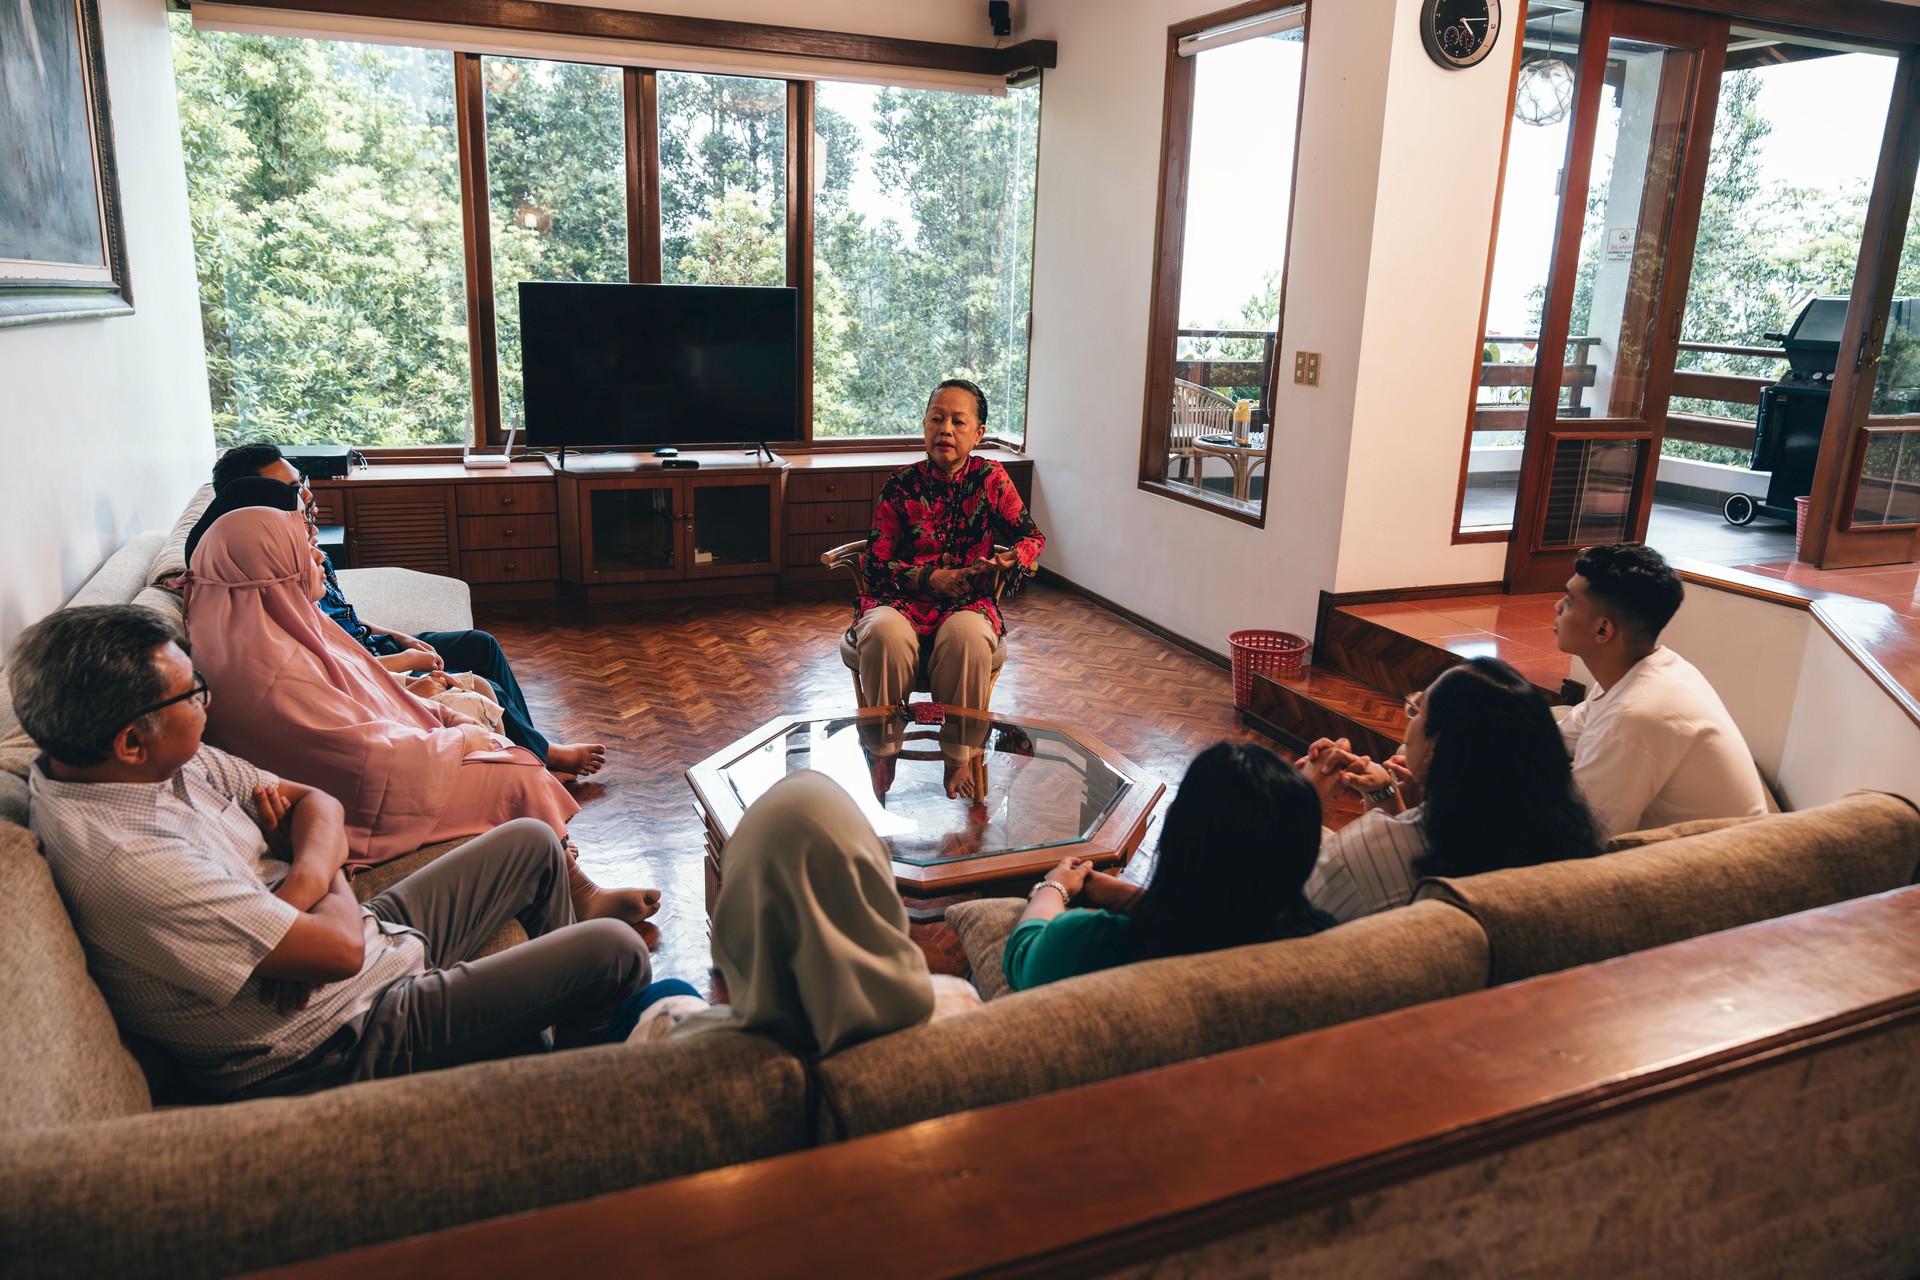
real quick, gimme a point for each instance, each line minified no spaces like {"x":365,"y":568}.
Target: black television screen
{"x":649,"y":365}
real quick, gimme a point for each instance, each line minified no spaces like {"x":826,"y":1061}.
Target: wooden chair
{"x":852,"y":558}
{"x":1197,"y":411}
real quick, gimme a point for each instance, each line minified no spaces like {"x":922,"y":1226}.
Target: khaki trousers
{"x":959,"y":667}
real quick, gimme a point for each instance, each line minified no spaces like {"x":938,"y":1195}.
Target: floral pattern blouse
{"x":924,"y":521}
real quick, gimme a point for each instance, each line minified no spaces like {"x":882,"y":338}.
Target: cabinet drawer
{"x":489,"y":533}
{"x":506,"y":499}
{"x":534,"y":564}
{"x":853,"y":519}
{"x":832,"y":486}
{"x":805,"y":549}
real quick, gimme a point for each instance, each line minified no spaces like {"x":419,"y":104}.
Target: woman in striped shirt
{"x":1485,"y":783}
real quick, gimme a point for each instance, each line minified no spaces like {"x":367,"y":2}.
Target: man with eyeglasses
{"x":432,"y":653}
{"x":210,"y":898}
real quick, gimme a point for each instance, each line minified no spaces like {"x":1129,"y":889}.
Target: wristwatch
{"x":1381,"y":795}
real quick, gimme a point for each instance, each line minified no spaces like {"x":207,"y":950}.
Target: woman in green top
{"x":1239,"y":842}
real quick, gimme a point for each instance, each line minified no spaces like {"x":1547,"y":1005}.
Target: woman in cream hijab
{"x":809,"y":933}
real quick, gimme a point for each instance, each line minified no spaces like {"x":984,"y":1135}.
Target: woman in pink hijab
{"x":294,"y":694}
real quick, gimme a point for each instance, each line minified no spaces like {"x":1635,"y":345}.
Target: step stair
{"x":1356,"y":685}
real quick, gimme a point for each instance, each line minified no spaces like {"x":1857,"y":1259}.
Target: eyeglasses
{"x":307,"y":508}
{"x":1415,"y":703}
{"x":200,"y":694}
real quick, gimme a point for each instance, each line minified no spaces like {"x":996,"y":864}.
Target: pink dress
{"x":294,"y":694}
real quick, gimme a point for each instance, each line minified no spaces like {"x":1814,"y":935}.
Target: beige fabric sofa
{"x":95,"y":1180}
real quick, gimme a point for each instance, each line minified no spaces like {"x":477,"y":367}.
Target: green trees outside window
{"x":324,"y":188}
{"x":556,"y":188}
{"x":322,"y":184}
{"x":723,"y":179}
{"x":923,"y":253}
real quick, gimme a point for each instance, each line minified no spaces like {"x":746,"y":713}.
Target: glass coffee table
{"x":966,"y":803}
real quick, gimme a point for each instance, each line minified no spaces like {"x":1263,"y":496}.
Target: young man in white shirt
{"x":211,"y":902}
{"x":1652,"y":744}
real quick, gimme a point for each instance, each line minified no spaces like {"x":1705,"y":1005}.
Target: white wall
{"x":1418,"y":360}
{"x":1846,"y":732}
{"x":1191,"y":571}
{"x":105,"y":424}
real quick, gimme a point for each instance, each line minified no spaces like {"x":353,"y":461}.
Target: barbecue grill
{"x":1793,"y":411}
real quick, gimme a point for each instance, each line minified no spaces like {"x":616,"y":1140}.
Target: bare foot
{"x":630,"y":905}
{"x":580,"y":759}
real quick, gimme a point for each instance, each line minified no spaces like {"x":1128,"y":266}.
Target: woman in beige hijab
{"x":809,"y":932}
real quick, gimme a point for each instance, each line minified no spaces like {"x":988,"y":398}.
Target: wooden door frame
{"x":1530,"y":567}
{"x":1829,"y":542}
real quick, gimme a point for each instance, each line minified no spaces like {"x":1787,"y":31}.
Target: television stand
{"x":649,"y":526}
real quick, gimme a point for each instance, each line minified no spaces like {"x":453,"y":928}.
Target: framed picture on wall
{"x":62,"y":241}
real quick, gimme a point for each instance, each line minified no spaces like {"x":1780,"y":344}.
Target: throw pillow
{"x":983,"y":926}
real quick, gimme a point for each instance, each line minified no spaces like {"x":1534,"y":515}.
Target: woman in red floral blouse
{"x":931,"y":564}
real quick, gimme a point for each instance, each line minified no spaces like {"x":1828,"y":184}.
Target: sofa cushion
{"x":1679,"y":830}
{"x":119,"y":580}
{"x":1146,"y":1015}
{"x":408,"y":600}
{"x":983,"y":926}
{"x":170,"y":557}
{"x":61,"y":1061}
{"x":214,"y":1191}
{"x":1558,"y":915}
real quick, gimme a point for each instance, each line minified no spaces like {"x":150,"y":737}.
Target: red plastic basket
{"x":1274,"y":653}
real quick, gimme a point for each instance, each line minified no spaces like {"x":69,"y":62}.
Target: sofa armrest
{"x":408,"y":600}
{"x":213,"y":1191}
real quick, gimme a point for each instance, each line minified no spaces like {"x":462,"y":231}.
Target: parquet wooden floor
{"x":665,"y":685}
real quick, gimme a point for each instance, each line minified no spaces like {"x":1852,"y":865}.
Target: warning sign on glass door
{"x":1619,"y":243}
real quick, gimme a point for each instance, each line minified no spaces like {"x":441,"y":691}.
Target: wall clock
{"x":1459,"y":33}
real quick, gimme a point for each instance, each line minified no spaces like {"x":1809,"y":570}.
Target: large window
{"x":923,"y":253}
{"x":556,"y":188}
{"x":1233,"y":107}
{"x":323,"y":185}
{"x":723,"y":185}
{"x":329,"y":199}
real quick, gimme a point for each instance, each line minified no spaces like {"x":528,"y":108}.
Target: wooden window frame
{"x":1832,"y":541}
{"x":1176,"y":146}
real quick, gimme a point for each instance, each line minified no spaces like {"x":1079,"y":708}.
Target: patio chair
{"x":852,"y":558}
{"x":1197,"y":411}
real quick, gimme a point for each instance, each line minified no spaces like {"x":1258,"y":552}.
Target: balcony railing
{"x":1224,"y":375}
{"x":1579,"y":375}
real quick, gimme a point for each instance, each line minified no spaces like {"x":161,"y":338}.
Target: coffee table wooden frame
{"x":1112,"y":842}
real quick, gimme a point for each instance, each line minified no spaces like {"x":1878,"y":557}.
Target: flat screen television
{"x":643,"y":366}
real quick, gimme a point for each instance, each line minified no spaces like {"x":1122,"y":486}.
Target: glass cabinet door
{"x":633,"y":532}
{"x":732,"y":523}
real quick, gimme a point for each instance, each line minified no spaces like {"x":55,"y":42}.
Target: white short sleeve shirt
{"x":1658,"y":748}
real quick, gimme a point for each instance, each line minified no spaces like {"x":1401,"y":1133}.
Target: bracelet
{"x":1382,"y":794}
{"x":1066,"y":899}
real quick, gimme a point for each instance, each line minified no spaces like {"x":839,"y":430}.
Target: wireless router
{"x":470,"y":459}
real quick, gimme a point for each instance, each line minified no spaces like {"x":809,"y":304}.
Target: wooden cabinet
{"x":499,"y":530}
{"x":406,"y":525}
{"x":653,"y":526}
{"x":736,"y":524}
